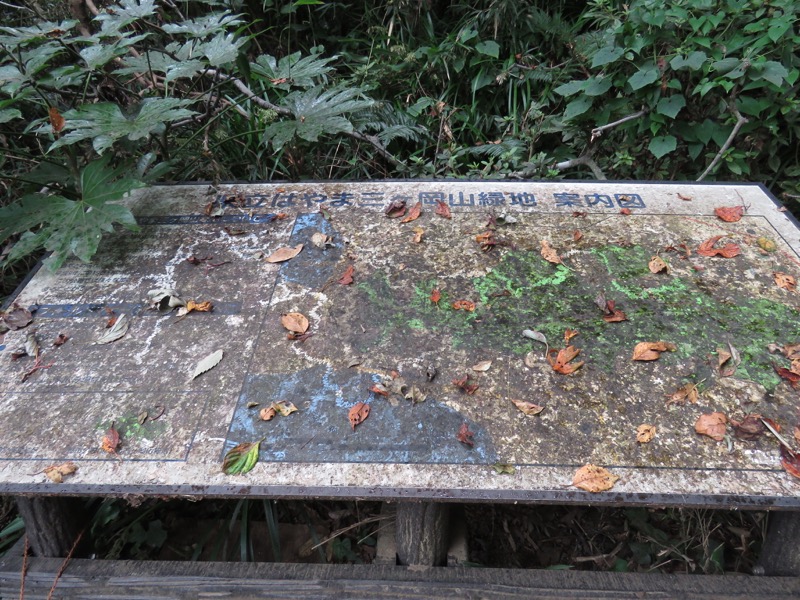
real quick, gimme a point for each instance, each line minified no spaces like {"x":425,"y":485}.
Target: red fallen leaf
{"x":414,"y":213}
{"x":60,"y":340}
{"x":790,"y":461}
{"x":396,"y":208}
{"x":562,"y":362}
{"x":56,"y":120}
{"x":790,"y":376}
{"x":379,"y":389}
{"x":358,"y":414}
{"x":579,"y":213}
{"x":464,"y":435}
{"x":712,"y":424}
{"x":609,"y":307}
{"x":685,"y":198}
{"x":347,"y":277}
{"x":729,"y":214}
{"x":569,"y":334}
{"x":577,"y":235}
{"x":110,"y":441}
{"x":442,"y":209}
{"x":466,"y":384}
{"x":467,"y":305}
{"x":436,"y":295}
{"x":298,"y":337}
{"x":651,"y":350}
{"x":486,"y":240}
{"x":750,"y":428}
{"x":727,"y":251}
{"x":625,"y":211}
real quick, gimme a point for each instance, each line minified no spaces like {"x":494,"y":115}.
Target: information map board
{"x":501,"y":335}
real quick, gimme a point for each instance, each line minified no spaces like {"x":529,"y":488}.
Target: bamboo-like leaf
{"x":116,"y":331}
{"x":208,"y":363}
{"x":241,"y":459}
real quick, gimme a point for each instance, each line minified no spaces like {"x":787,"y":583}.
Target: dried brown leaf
{"x":347,"y":276}
{"x":56,"y":120}
{"x":110,"y":441}
{"x":284,"y":254}
{"x":594,"y":479}
{"x":464,"y":435}
{"x":528,"y":408}
{"x":358,"y":414}
{"x":651,"y":350}
{"x":785,"y":281}
{"x":295,"y":322}
{"x":712,"y":424}
{"x":56,"y":473}
{"x":436,"y":295}
{"x":562,"y":362}
{"x":750,"y":428}
{"x":549,"y":254}
{"x":687,"y":392}
{"x":418,"y":233}
{"x":727,"y":251}
{"x":729,"y":214}
{"x":645,"y":433}
{"x":396,"y":208}
{"x":657,"y":265}
{"x":482,"y":366}
{"x":268,"y":413}
{"x":467,"y":305}
{"x":442,"y":209}
{"x":414,"y":213}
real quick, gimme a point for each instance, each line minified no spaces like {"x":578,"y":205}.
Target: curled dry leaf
{"x":787,"y":374}
{"x":712,"y":424}
{"x":562,"y":362}
{"x":442,"y":209}
{"x":657,"y":265}
{"x":625,"y":211}
{"x":504,"y":468}
{"x":729,"y":214}
{"x":418,"y":232}
{"x":569,"y":334}
{"x":268,"y":413}
{"x":685,"y":198}
{"x":577,"y":235}
{"x":549,"y":254}
{"x":651,"y":350}
{"x":728,"y":361}
{"x":284,"y":407}
{"x":284,"y":254}
{"x":594,"y":479}
{"x":750,"y":428}
{"x":208,"y":363}
{"x":117,"y":331}
{"x":414,"y":213}
{"x":464,"y":435}
{"x":482,"y":366}
{"x":539,"y":337}
{"x":295,"y":322}
{"x":397,"y":208}
{"x":192,"y":306}
{"x":528,"y":408}
{"x":56,"y":473}
{"x":60,"y":340}
{"x":466,"y":384}
{"x":790,"y":461}
{"x":645,"y":433}
{"x":727,"y":251}
{"x":346,"y":278}
{"x":16,"y":317}
{"x":687,"y":392}
{"x":467,"y":305}
{"x":785,"y":281}
{"x":486,"y":240}
{"x":241,"y":459}
{"x":380,"y":390}
{"x":321,"y":241}
{"x":56,"y":120}
{"x":110,"y":441}
{"x":358,"y":414}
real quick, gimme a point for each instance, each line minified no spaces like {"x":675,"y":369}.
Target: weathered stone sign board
{"x":429,"y":334}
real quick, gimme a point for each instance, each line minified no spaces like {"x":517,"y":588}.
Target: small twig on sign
{"x":740,"y":120}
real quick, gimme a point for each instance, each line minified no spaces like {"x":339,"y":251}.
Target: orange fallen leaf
{"x":295,"y":322}
{"x":785,"y":281}
{"x":418,"y":232}
{"x":466,"y":384}
{"x":687,"y":392}
{"x":686,"y":198}
{"x":414,"y":213}
{"x":645,"y":433}
{"x":562,"y":363}
{"x":790,"y":461}
{"x":577,"y":235}
{"x":284,"y":254}
{"x":657,"y":264}
{"x":380,"y":389}
{"x":436,"y":295}
{"x":442,"y":209}
{"x":625,"y":211}
{"x":110,"y":441}
{"x":397,"y":208}
{"x":56,"y":473}
{"x":549,"y":254}
{"x":467,"y":305}
{"x":347,"y":276}
{"x":464,"y":435}
{"x":727,"y":251}
{"x":750,"y":428}
{"x":594,"y":479}
{"x":56,"y":120}
{"x":729,"y":214}
{"x":191,"y":306}
{"x":486,"y":240}
{"x":787,"y":374}
{"x":528,"y":408}
{"x":358,"y":414}
{"x":712,"y":424}
{"x":651,"y":350}
{"x":268,"y":413}
{"x":569,"y":334}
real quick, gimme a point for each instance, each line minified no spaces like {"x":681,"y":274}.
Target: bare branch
{"x":598,"y":131}
{"x":586,"y":160}
{"x":740,"y":120}
{"x":376,"y":143}
{"x":242,"y":87}
{"x":17,"y":7}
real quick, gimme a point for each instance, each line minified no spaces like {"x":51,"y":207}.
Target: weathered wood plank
{"x":96,"y":580}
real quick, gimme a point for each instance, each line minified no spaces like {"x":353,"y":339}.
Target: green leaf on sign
{"x":504,"y":469}
{"x":607,"y":55}
{"x":241,"y":459}
{"x":489,"y":48}
{"x":663,"y":144}
{"x":671,"y":106}
{"x":643,"y":77}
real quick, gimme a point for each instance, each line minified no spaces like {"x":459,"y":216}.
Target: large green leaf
{"x":295,"y":69}
{"x":317,"y":112}
{"x":204,"y":26}
{"x":671,"y":106}
{"x":642,"y":77}
{"x":104,"y":123}
{"x":607,"y":55}
{"x":662,"y":145}
{"x":175,"y":66}
{"x":64,"y":226}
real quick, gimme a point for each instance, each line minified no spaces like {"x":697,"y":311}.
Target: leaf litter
{"x":208,"y":363}
{"x":241,"y":458}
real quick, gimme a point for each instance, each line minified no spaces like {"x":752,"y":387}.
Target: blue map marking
{"x":320,"y":431}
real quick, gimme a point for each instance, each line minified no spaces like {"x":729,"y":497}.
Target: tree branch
{"x":242,"y":87}
{"x":740,"y":120}
{"x":585,"y":159}
{"x":598,"y":131}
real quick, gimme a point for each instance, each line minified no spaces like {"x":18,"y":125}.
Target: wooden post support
{"x":780,"y":554}
{"x":52,"y":524}
{"x":422,"y":533}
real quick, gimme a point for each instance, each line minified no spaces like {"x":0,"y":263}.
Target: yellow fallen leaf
{"x":56,"y":473}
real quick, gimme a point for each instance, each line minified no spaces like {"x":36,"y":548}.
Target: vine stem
{"x":740,"y":120}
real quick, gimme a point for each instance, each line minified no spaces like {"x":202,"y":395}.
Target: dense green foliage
{"x":262,"y":90}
